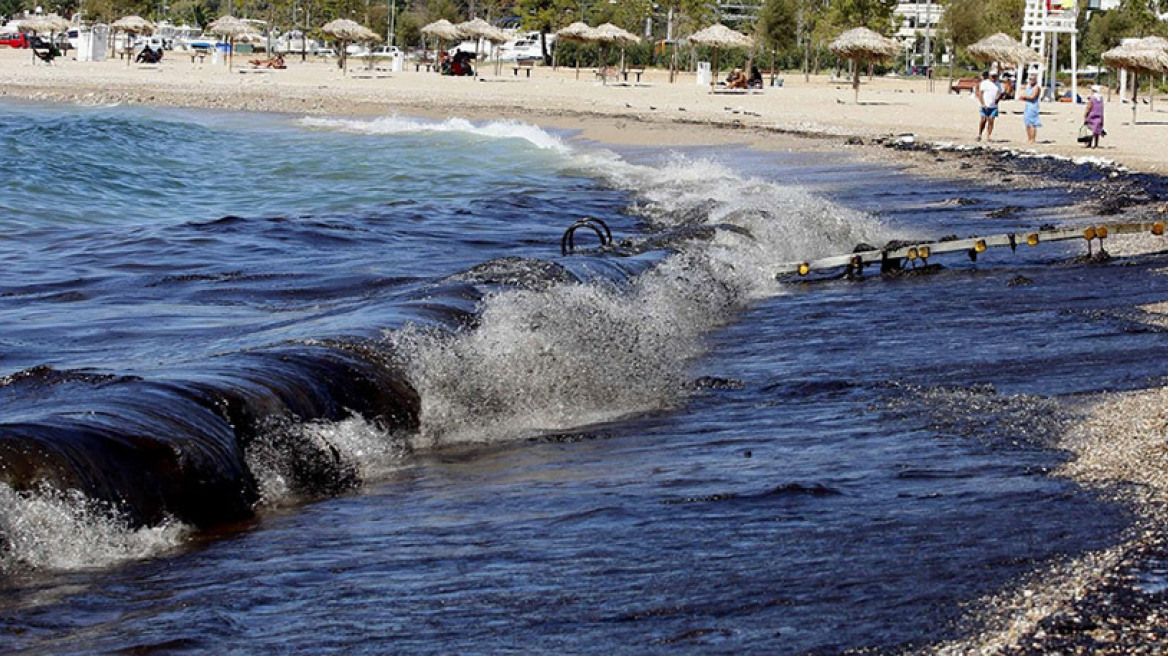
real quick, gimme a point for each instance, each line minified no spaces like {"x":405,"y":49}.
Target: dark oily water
{"x":359,"y":337}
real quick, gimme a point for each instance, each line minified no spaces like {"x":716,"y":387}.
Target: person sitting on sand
{"x":1093,"y":118}
{"x":988,"y":93}
{"x":736,"y":80}
{"x":755,"y":81}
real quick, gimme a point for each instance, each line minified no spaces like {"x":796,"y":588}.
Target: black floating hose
{"x":568,"y":241}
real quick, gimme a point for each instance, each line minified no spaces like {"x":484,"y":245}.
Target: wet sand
{"x":1100,"y":603}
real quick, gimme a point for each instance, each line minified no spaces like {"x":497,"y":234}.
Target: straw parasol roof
{"x":230,"y":27}
{"x":481,"y":29}
{"x":720,"y":36}
{"x":45,"y":23}
{"x":347,"y":30}
{"x":609,"y":33}
{"x":443,"y":30}
{"x":1002,"y":47}
{"x":578,"y":31}
{"x":1138,"y":58}
{"x":133,"y":25}
{"x":862,"y":44}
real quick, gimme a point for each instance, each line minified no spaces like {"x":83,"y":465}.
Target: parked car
{"x":17,"y":40}
{"x":386,"y":52}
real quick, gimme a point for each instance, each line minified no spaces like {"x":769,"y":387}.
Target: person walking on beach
{"x":1093,"y":118}
{"x":1030,"y":115}
{"x":988,"y":93}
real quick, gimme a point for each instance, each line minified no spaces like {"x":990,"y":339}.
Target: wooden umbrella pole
{"x":1135,"y":91}
{"x":856,"y":80}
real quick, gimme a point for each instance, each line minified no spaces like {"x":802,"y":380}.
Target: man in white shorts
{"x":987,"y":94}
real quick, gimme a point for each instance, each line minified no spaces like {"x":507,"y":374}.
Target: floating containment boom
{"x":892,"y":258}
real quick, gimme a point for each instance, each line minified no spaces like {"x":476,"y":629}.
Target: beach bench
{"x":418,"y":66}
{"x":635,"y":70}
{"x":524,"y":65}
{"x":965,"y":85}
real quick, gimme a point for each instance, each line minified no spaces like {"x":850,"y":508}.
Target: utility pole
{"x":929,"y":43}
{"x":389,"y":38}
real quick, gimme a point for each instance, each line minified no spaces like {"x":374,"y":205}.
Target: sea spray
{"x":51,"y":529}
{"x":565,"y":356}
{"x":493,"y":130}
{"x":294,"y":461}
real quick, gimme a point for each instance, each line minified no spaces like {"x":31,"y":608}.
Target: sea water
{"x":323,"y":385}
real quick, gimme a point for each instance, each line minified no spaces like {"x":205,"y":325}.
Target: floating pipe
{"x":890,"y":260}
{"x":568,"y":241}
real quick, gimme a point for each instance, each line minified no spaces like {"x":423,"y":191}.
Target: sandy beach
{"x":1120,"y":444}
{"x":618,"y":112}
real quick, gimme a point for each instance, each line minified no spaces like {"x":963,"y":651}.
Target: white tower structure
{"x":1043,"y":21}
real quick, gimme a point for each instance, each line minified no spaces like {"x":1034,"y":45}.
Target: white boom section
{"x":925,"y":250}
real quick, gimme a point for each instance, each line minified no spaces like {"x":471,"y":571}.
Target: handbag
{"x":1085,"y":133}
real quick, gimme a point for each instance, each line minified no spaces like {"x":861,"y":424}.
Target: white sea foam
{"x":50,"y":529}
{"x":403,"y":125}
{"x":574,"y":354}
{"x":275,"y":458}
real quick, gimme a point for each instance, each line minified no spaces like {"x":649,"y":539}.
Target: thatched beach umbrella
{"x":132,"y":25}
{"x":347,"y":31}
{"x":578,"y":33}
{"x":231,"y":28}
{"x":862,"y":45}
{"x":609,"y":34}
{"x":481,"y":30}
{"x":47,"y":23}
{"x":1156,"y":43}
{"x":718,"y":36}
{"x":1002,"y":48}
{"x":442,"y":31}
{"x":1136,"y":59}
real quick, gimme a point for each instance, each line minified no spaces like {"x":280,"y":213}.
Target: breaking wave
{"x":576,"y":344}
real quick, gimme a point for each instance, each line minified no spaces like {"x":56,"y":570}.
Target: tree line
{"x":792,"y":33}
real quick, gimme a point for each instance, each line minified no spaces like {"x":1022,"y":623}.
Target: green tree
{"x":9,"y":8}
{"x":875,"y":15}
{"x":545,"y":16}
{"x":1003,"y":16}
{"x":778,"y":24}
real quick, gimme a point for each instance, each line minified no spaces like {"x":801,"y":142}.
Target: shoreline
{"x":1120,"y":429}
{"x":799,"y":115}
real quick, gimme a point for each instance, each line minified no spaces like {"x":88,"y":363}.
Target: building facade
{"x":918,"y":22}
